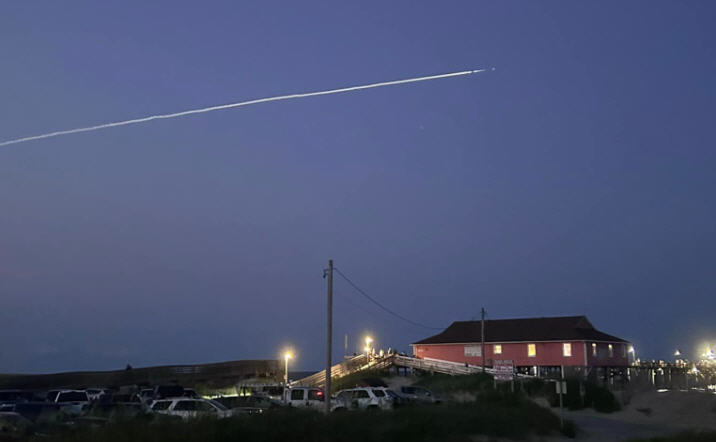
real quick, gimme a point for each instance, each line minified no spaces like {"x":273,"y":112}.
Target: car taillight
{"x":319,"y":394}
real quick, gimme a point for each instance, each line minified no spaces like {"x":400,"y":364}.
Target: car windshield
{"x":218,"y":405}
{"x":72,"y":396}
{"x":9,"y":395}
{"x":161,"y":405}
{"x":273,"y":391}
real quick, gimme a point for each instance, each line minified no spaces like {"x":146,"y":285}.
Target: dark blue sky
{"x":577,"y":178}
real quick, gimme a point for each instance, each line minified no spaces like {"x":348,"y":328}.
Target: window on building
{"x":473,"y":350}
{"x":611,"y":351}
{"x":567,"y":349}
{"x":594,"y":349}
{"x":531,"y":350}
{"x":624,"y":350}
{"x":497,"y":349}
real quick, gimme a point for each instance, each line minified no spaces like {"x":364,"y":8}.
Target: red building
{"x":534,"y":345}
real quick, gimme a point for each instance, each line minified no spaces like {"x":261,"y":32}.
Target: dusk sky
{"x":577,"y":178}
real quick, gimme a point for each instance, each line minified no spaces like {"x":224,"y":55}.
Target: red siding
{"x":602,"y":359}
{"x":548,"y":354}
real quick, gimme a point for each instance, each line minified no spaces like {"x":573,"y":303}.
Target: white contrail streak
{"x":231,"y":105}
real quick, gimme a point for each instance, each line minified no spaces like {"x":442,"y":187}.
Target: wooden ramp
{"x":437,"y":366}
{"x":359,"y":363}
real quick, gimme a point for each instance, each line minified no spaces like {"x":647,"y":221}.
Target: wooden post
{"x":329,"y":337}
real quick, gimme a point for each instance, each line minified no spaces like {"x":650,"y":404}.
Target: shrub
{"x":689,"y":436}
{"x":600,"y":399}
{"x":503,"y":416}
{"x":444,"y":384}
{"x":569,"y":429}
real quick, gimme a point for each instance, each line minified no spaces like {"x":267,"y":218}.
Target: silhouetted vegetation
{"x":595,"y":396}
{"x":501,"y":416}
{"x":688,"y":436}
{"x":445,"y":384}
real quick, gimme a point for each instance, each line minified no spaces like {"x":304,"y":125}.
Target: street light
{"x":633,"y":354}
{"x":286,"y":357}
{"x":368,"y":341}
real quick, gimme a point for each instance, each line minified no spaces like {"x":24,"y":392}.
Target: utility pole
{"x":482,"y":335}
{"x":329,"y":335}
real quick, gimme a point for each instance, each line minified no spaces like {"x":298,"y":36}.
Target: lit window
{"x":473,"y":350}
{"x":498,"y":349}
{"x":594,"y":350}
{"x":567,"y":349}
{"x":531,"y":350}
{"x":611,"y":351}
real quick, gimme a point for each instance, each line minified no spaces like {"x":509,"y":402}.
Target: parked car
{"x":187,"y":408}
{"x":418,"y":394}
{"x":303,"y":397}
{"x":113,"y":411}
{"x":72,"y":402}
{"x":38,"y":411}
{"x":120,"y":398}
{"x":8,"y":398}
{"x":365,"y":398}
{"x":146,"y":395}
{"x":190,"y":392}
{"x":168,"y":391}
{"x":246,"y":404}
{"x":52,"y":395}
{"x":95,"y":394}
{"x":273,"y":392}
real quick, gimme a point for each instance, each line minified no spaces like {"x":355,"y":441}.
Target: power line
{"x":362,"y":292}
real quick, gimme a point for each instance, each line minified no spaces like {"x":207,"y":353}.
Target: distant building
{"x":534,"y":345}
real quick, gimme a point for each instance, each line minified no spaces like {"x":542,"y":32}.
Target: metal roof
{"x":563,"y":328}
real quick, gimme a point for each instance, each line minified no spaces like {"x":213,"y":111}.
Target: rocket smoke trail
{"x":242,"y":103}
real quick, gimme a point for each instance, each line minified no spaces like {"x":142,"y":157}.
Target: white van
{"x":304,"y":397}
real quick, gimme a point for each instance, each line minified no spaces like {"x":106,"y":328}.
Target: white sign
{"x":561,"y":387}
{"x":504,"y":369}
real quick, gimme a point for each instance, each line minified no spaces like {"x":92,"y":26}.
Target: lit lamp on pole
{"x":368,"y":341}
{"x":286,"y":357}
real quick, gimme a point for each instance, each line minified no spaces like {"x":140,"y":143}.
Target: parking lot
{"x":32,"y":412}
